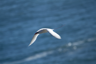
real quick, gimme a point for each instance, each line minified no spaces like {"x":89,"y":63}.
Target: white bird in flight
{"x":44,"y":30}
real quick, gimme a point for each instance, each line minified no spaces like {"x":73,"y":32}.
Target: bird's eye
{"x":36,"y":33}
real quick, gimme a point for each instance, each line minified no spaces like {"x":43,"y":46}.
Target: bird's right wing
{"x":33,"y":39}
{"x":53,"y":33}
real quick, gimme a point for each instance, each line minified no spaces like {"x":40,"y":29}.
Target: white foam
{"x":37,"y":56}
{"x":40,"y":55}
{"x":69,"y":44}
{"x":91,"y":39}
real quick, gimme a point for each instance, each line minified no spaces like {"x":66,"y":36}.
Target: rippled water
{"x":19,"y":20}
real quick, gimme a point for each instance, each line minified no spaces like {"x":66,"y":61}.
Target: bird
{"x":44,"y":30}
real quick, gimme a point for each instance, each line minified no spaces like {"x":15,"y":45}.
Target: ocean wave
{"x":59,"y":49}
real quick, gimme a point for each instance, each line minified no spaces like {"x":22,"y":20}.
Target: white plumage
{"x":44,"y":30}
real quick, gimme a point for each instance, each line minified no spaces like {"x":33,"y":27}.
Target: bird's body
{"x":44,"y":30}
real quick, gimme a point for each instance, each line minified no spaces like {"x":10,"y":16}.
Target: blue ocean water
{"x":19,"y":20}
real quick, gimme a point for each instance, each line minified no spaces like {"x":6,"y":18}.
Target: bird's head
{"x":36,"y":32}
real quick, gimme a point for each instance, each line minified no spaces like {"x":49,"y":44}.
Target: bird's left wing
{"x":53,"y":33}
{"x":33,"y":39}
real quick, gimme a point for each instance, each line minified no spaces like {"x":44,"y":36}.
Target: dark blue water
{"x":20,"y":19}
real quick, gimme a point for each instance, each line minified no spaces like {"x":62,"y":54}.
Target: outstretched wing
{"x":33,"y":39}
{"x":53,"y":33}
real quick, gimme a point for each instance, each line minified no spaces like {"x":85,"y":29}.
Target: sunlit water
{"x":19,"y":20}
